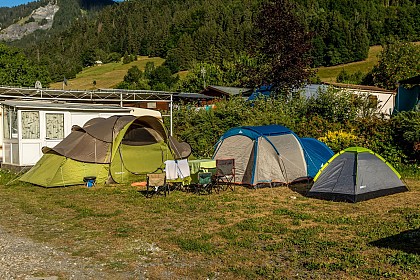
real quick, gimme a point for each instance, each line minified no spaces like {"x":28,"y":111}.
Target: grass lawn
{"x":329,"y":74}
{"x":106,"y":75}
{"x":271,"y":233}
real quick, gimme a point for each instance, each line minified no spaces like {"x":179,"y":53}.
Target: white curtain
{"x":30,"y":125}
{"x":55,"y":126}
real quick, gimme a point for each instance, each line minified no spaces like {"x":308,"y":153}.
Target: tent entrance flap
{"x":132,"y":161}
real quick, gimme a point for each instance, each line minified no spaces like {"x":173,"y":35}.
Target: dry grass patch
{"x":247,"y":234}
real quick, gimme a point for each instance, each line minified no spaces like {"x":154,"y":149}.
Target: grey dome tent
{"x":271,"y":154}
{"x":356,"y":174}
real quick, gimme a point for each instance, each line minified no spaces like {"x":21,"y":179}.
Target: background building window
{"x":30,"y":125}
{"x":55,"y":126}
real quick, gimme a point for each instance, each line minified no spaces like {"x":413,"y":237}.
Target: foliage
{"x":17,"y":70}
{"x":204,"y":74}
{"x":88,"y":57}
{"x":334,"y":105}
{"x":347,"y":78}
{"x":129,"y":58}
{"x":187,"y":32}
{"x":339,"y":140}
{"x":159,"y":78}
{"x":282,"y":47}
{"x":406,"y":129}
{"x":397,"y":61}
{"x":134,"y":74}
{"x":134,"y":79}
{"x":113,"y":57}
{"x":336,"y":118}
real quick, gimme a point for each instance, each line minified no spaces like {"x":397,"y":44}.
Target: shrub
{"x":339,"y":140}
{"x":333,"y":117}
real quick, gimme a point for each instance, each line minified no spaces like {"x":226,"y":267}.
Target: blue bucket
{"x":90,"y":181}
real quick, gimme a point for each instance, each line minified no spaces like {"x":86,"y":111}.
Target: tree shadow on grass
{"x":407,"y":241}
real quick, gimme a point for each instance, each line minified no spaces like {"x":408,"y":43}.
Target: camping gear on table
{"x":356,"y":174}
{"x":271,"y":154}
{"x":119,"y":149}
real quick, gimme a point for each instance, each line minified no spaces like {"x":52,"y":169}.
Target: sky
{"x":13,"y":3}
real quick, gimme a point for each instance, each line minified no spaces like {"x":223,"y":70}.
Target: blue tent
{"x":315,"y":154}
{"x":261,"y":92}
{"x":271,"y":154}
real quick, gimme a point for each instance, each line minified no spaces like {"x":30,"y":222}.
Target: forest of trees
{"x":215,"y":32}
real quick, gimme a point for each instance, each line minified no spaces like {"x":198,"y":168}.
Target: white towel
{"x":183,"y":168}
{"x":171,"y":170}
{"x":175,"y":169}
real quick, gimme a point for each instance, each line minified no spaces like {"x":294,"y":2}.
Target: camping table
{"x":203,"y":165}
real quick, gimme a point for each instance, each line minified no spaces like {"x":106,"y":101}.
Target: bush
{"x":339,"y":140}
{"x":355,"y":78}
{"x":406,"y":133}
{"x":332,"y":117}
{"x":113,"y":57}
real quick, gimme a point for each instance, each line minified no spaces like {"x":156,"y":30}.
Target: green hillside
{"x":110,"y":74}
{"x":329,"y":74}
{"x":106,"y":75}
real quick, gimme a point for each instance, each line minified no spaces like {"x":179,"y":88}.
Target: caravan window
{"x":30,"y":125}
{"x":55,"y":126}
{"x":10,"y":127}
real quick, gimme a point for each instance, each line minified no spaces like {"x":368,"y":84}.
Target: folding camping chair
{"x":156,"y":184}
{"x":225,"y":174}
{"x":204,"y":184}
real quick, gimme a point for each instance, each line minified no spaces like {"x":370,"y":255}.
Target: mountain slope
{"x":41,"y":18}
{"x":46,"y":15}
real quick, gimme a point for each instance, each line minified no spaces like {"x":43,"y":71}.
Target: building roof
{"x":360,"y":87}
{"x":220,"y":91}
{"x":184,"y":95}
{"x":411,"y":81}
{"x":64,"y":106}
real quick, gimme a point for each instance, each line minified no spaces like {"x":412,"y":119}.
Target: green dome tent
{"x":356,"y":174}
{"x":119,"y":149}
